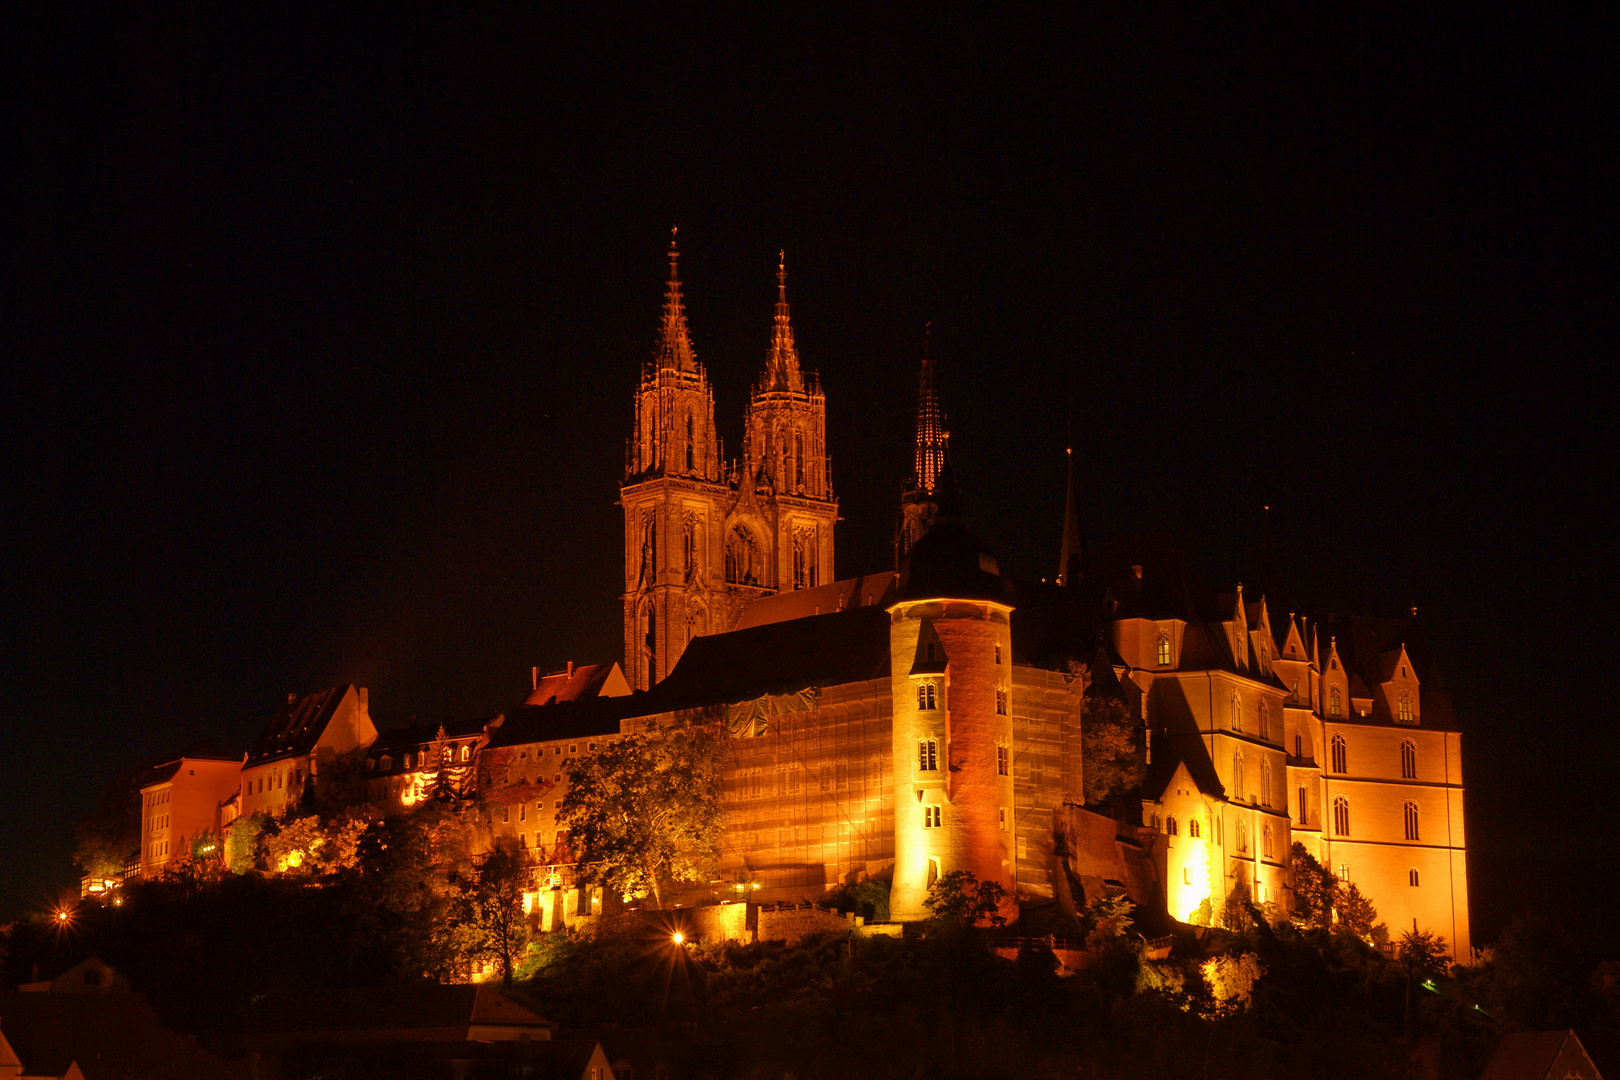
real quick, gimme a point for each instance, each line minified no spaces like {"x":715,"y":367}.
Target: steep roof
{"x":297,"y":726}
{"x":777,"y":658}
{"x":867,"y":590}
{"x":1364,"y":643}
{"x":111,"y":1036}
{"x":949,"y":561}
{"x":1530,"y":1055}
{"x":418,"y":734}
{"x":586,"y":680}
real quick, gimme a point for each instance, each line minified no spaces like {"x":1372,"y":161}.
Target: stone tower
{"x":918,"y":503}
{"x":780,"y":529}
{"x":704,"y":538}
{"x":950,"y":650}
{"x":674,"y":496}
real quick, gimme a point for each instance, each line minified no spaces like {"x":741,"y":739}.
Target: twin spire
{"x":930,"y":457}
{"x":675,"y":338}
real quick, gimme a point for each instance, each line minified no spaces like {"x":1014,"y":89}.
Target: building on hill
{"x":406,"y":765}
{"x":310,"y":731}
{"x":180,"y":808}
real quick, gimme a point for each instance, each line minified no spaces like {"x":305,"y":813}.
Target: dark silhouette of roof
{"x":951,"y":562}
{"x":393,"y":1013}
{"x":111,"y":1036}
{"x":567,"y":720}
{"x":421,"y":734}
{"x":1530,"y":1055}
{"x":583,"y":681}
{"x":1363,"y":642}
{"x":297,"y":726}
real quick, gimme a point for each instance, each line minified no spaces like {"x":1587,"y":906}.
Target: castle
{"x":930,"y":717}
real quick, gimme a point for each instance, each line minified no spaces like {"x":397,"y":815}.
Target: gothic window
{"x":1266,"y":841}
{"x":1408,"y":760}
{"x":1237,"y":714}
{"x":466,"y":752}
{"x":1341,"y":815}
{"x":1335,"y":703}
{"x":1170,"y":826}
{"x":1340,"y":757}
{"x":691,"y":450}
{"x":1237,"y":775}
{"x":1164,"y":649}
{"x":926,"y":696}
{"x":798,"y":460}
{"x":1344,"y":873}
{"x":998,"y":654}
{"x":1304,"y":807}
{"x":1265,"y":720}
{"x":800,"y":570}
{"x":1404,"y":708}
{"x":1299,"y":745}
{"x":1243,"y":834}
{"x":1412,"y":878}
{"x":1265,"y":781}
{"x":689,"y":547}
{"x":1001,"y":703}
{"x":928,"y":756}
{"x":1194,"y":829}
{"x":740,"y":558}
{"x":1412,"y":821}
{"x":1003,"y":761}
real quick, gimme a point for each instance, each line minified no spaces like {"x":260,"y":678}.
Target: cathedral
{"x":930,"y":717}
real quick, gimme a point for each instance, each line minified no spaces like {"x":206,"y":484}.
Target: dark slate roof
{"x":1526,"y":1055}
{"x":951,"y":562}
{"x":297,"y":726}
{"x":777,"y":658}
{"x":111,"y":1036}
{"x":583,"y":681}
{"x":421,"y":734}
{"x":580,"y":719}
{"x":1363,"y":641}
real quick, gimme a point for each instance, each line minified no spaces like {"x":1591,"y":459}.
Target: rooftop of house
{"x":108,"y":1035}
{"x":297,"y":726}
{"x":574,"y":683}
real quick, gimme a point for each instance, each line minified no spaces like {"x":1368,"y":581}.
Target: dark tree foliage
{"x":1315,"y":890}
{"x":111,"y":833}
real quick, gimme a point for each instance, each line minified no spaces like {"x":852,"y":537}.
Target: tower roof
{"x":1071,"y":554}
{"x":674,"y":339}
{"x":782,"y":365}
{"x":930,"y":454}
{"x":950,"y":562}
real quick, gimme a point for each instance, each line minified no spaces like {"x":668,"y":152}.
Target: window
{"x":1344,"y":874}
{"x":1003,"y":761}
{"x":1164,"y":649}
{"x":1001,"y":818}
{"x":1265,"y":781}
{"x":1339,"y":755}
{"x":1186,"y":876}
{"x":926,"y":696}
{"x":1266,"y":841}
{"x":387,"y":763}
{"x":1170,"y":827}
{"x":930,"y":817}
{"x":466,"y":752}
{"x":1237,"y":714}
{"x":1404,"y":708}
{"x":800,"y":567}
{"x":928,"y":756}
{"x":1341,"y":815}
{"x":1243,"y":835}
{"x":1001,"y":703}
{"x":1299,"y":745}
{"x":798,"y":460}
{"x":1408,"y":760}
{"x":1194,"y":829}
{"x":523,"y":811}
{"x":591,"y":748}
{"x":371,"y":764}
{"x":691,"y":451}
{"x":1411,"y":820}
{"x":740,"y":557}
{"x":573,"y":748}
{"x":1265,"y":721}
{"x":506,"y":813}
{"x":1412,"y":878}
{"x":998,"y":654}
{"x":1237,"y":776}
{"x":1304,"y":807}
{"x":1335,"y":703}
{"x":689,"y":547}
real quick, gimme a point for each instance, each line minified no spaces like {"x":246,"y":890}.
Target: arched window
{"x":1237,"y":775}
{"x":1243,"y":834}
{"x":800,"y":570}
{"x":466,"y":752}
{"x":691,"y":449}
{"x":1193,"y":828}
{"x":1299,"y":745}
{"x":1164,"y":649}
{"x":1304,"y":807}
{"x":649,"y":546}
{"x":740,"y":557}
{"x":1404,"y":708}
{"x":649,"y":640}
{"x":1265,"y":720}
{"x":1170,"y":826}
{"x":1001,"y":703}
{"x":1237,"y":713}
{"x":1341,"y":815}
{"x":1265,"y":781}
{"x":1344,"y":874}
{"x":1411,"y":820}
{"x":1266,"y":842}
{"x":1339,"y":755}
{"x":689,"y":547}
{"x":926,"y":698}
{"x":1412,"y":878}
{"x":386,"y":763}
{"x":928,"y":756}
{"x":798,"y":460}
{"x":1408,"y":760}
{"x":1335,"y":703}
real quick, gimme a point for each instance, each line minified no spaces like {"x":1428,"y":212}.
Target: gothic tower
{"x":918,"y":503}
{"x":675,"y":497}
{"x":950,"y":655}
{"x":780,"y":529}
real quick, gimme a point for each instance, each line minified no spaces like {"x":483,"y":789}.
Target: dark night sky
{"x":325,"y":328}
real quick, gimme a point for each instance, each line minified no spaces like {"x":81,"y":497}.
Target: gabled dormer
{"x":1237,"y":631}
{"x":1397,"y":695}
{"x":1292,"y":666}
{"x":1260,"y":633}
{"x":930,"y":658}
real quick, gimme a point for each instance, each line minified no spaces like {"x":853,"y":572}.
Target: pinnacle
{"x":782,"y":365}
{"x":675,"y":339}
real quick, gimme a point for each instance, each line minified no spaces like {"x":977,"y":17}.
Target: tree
{"x":1356,"y":913}
{"x":1110,"y":918}
{"x":111,"y":833}
{"x":1315,"y":890}
{"x":242,"y":841}
{"x":645,"y":810}
{"x":959,"y":899}
{"x":492,"y":909}
{"x":1111,"y":753}
{"x":1422,"y":954}
{"x":1231,"y":980}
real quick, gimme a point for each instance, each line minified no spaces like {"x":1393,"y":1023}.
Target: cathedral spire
{"x":930,"y":457}
{"x":674,"y":339}
{"x":1072,"y":554}
{"x":782,"y":366}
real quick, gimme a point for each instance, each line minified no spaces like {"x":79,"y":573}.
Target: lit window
{"x":930,"y":817}
{"x":1344,"y":874}
{"x":1408,"y":760}
{"x":387,"y":763}
{"x":926,"y":698}
{"x":1194,"y":829}
{"x":1412,"y":878}
{"x":1412,"y":821}
{"x":407,"y":761}
{"x":1339,"y":755}
{"x":1404,"y":707}
{"x":1164,"y":650}
{"x":1335,"y":703}
{"x":1341,"y":815}
{"x":1003,"y":761}
{"x":1170,"y":826}
{"x":928,"y":755}
{"x":1001,"y":703}
{"x":466,"y":752}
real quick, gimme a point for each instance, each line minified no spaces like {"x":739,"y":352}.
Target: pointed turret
{"x":1072,"y":552}
{"x":675,"y":340}
{"x":782,"y":367}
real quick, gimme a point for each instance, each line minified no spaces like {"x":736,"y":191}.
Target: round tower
{"x":950,"y":650}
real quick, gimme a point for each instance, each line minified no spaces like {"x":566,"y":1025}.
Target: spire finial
{"x":674,"y":339}
{"x":1072,"y":548}
{"x":782,"y":365}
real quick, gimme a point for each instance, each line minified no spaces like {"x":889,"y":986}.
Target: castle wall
{"x":1046,"y":769}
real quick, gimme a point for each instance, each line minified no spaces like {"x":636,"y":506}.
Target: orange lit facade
{"x":180,"y":810}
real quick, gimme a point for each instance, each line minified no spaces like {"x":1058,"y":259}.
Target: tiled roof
{"x":583,"y":681}
{"x":297,"y":726}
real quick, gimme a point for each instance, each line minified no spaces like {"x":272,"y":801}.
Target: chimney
{"x":570,"y":669}
{"x":534,"y":678}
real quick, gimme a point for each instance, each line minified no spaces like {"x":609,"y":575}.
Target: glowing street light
{"x":677,"y":937}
